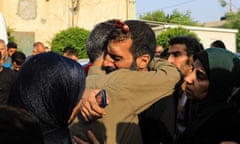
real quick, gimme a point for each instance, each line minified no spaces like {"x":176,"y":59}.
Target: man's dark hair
{"x":70,"y":51}
{"x":98,"y":39}
{"x":11,"y":45}
{"x":218,"y":43}
{"x":18,"y":57}
{"x":19,"y":126}
{"x":192,"y":44}
{"x":144,"y":41}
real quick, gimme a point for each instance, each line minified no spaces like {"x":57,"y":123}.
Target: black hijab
{"x":217,"y":118}
{"x":223,"y":69}
{"x":49,"y":86}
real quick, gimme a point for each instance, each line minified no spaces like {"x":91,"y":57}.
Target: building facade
{"x":40,"y":20}
{"x":206,"y":34}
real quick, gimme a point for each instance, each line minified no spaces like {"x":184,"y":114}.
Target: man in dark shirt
{"x":7,"y":77}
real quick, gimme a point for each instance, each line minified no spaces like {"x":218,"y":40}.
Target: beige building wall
{"x":227,"y":36}
{"x":47,"y":17}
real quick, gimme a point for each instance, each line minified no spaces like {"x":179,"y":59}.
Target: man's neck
{"x":97,"y":63}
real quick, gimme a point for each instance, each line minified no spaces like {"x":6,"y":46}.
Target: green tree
{"x":176,"y":17}
{"x":11,"y":38}
{"x":233,"y":22}
{"x":223,"y":3}
{"x":182,"y":18}
{"x":166,"y":35}
{"x":73,"y":37}
{"x":155,"y":16}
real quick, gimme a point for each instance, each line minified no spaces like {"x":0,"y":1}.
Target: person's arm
{"x":137,"y":89}
{"x":89,"y":106}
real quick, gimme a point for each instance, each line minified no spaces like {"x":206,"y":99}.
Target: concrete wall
{"x":208,"y":35}
{"x":3,"y":29}
{"x":228,"y":37}
{"x":45,"y":18}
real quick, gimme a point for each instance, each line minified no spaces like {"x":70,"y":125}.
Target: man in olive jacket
{"x":129,"y":91}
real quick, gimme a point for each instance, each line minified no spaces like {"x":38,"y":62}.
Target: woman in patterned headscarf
{"x":214,"y":84}
{"x":49,"y":86}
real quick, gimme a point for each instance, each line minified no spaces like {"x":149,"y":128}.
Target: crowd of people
{"x":183,"y":94}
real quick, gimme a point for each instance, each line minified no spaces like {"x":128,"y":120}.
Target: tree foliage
{"x":233,"y":22}
{"x":223,"y":3}
{"x":165,"y":36}
{"x":73,"y":37}
{"x":155,"y":16}
{"x":176,"y":17}
{"x":11,"y":38}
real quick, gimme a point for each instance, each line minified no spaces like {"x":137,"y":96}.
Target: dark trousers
{"x":158,"y":122}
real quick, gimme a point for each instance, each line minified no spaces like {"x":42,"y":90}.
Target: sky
{"x":201,"y":10}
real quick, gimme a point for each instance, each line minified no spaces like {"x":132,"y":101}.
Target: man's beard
{"x":109,"y":69}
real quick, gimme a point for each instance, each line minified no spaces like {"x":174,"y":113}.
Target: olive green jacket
{"x":130,"y":93}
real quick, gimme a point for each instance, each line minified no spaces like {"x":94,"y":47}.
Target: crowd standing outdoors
{"x":182,"y":94}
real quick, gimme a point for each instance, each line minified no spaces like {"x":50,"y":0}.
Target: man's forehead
{"x":123,"y":44}
{"x":2,"y":45}
{"x":2,"y":48}
{"x":177,"y":48}
{"x":112,"y":47}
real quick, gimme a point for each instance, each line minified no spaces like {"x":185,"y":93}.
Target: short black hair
{"x":218,"y":43}
{"x":18,"y":57}
{"x":144,"y":39}
{"x":11,"y":45}
{"x":192,"y":44}
{"x":70,"y":51}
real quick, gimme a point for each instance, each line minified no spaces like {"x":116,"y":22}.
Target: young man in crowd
{"x":71,"y":53}
{"x":11,"y":48}
{"x":18,"y":58}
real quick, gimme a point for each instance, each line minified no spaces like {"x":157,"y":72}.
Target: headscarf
{"x":223,"y":69}
{"x":49,"y":86}
{"x":217,"y":117}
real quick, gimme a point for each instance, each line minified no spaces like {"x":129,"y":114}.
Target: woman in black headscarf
{"x":214,"y":84}
{"x":49,"y":86}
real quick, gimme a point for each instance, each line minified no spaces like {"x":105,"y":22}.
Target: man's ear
{"x":191,"y":59}
{"x":143,"y":61}
{"x":190,"y":63}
